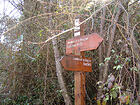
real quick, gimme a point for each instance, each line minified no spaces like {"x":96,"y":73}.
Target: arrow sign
{"x":76,"y":63}
{"x":83,"y":43}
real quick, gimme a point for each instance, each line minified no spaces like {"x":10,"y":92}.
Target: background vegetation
{"x":30,"y":71}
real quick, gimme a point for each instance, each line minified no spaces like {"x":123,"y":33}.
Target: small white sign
{"x":77,"y":28}
{"x":77,"y":34}
{"x":77,"y":22}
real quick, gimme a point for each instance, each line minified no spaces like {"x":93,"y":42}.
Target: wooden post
{"x":79,"y":77}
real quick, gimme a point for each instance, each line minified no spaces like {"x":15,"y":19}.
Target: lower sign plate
{"x":77,"y":63}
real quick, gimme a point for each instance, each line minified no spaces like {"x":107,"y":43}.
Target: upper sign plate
{"x":83,"y":43}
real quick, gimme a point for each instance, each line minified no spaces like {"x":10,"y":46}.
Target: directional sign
{"x":77,"y":63}
{"x":83,"y":43}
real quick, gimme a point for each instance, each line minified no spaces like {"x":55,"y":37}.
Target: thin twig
{"x":54,"y":36}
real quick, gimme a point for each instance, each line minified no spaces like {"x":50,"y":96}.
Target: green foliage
{"x":114,"y":91}
{"x":40,"y":33}
{"x":20,"y":100}
{"x":59,"y":93}
{"x":118,"y":67}
{"x":98,"y":102}
{"x":89,"y":5}
{"x":134,"y":69}
{"x":107,"y":59}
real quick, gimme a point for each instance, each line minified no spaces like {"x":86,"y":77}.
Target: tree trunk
{"x":113,"y":24}
{"x":59,"y":74}
{"x":100,"y":51}
{"x":136,"y":51}
{"x":139,"y":77}
{"x":45,"y":76}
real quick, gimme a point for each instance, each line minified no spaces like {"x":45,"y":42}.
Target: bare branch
{"x":54,"y":36}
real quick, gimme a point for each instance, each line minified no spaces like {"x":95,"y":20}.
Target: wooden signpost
{"x":78,"y":62}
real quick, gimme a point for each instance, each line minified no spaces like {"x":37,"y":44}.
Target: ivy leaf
{"x":128,"y":59}
{"x":114,"y":94}
{"x":128,"y":100}
{"x":101,"y":64}
{"x":98,"y":102}
{"x":116,"y":61}
{"x":40,"y":33}
{"x":107,"y":59}
{"x":104,"y":102}
{"x":114,"y":67}
{"x":89,"y":5}
{"x":118,"y":67}
{"x":113,"y":51}
{"x":107,"y":98}
{"x":134,"y":68}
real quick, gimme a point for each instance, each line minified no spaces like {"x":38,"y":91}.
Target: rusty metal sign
{"x":83,"y":43}
{"x":77,"y":63}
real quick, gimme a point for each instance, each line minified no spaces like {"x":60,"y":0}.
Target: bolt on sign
{"x":83,"y":43}
{"x":77,"y":63}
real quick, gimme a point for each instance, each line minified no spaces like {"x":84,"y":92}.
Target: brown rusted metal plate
{"x":83,"y":43}
{"x":77,"y":63}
